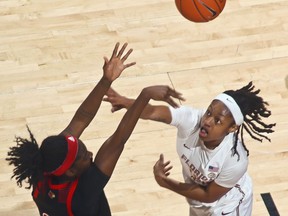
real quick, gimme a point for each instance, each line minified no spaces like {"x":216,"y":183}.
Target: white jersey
{"x":202,"y":165}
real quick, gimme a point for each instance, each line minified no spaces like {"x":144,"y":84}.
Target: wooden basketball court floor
{"x":51,"y":56}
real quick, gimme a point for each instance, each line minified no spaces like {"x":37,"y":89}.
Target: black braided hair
{"x":253,"y":109}
{"x":26,"y":158}
{"x":31,"y":162}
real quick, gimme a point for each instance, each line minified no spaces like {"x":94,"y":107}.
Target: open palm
{"x":115,"y":65}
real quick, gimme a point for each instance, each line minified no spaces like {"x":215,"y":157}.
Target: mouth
{"x":203,"y":132}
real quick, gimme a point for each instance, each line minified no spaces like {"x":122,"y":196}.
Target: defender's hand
{"x":113,"y":67}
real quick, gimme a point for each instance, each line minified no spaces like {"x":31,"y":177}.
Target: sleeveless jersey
{"x":83,"y":196}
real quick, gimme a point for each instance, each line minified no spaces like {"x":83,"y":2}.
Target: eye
{"x":218,"y":121}
{"x":208,"y":113}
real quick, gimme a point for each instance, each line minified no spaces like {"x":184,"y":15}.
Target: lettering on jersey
{"x":196,"y":175}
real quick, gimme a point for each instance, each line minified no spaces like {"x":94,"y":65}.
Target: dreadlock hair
{"x":253,"y":109}
{"x":32,"y":162}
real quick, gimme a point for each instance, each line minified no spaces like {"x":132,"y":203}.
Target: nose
{"x":208,"y":121}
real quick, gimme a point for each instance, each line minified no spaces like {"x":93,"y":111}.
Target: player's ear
{"x":233,"y":128}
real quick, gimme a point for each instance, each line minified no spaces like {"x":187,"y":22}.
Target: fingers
{"x":167,"y":170}
{"x":122,"y":50}
{"x":115,"y":108}
{"x":126,"y":55}
{"x":159,"y":161}
{"x":105,"y":60}
{"x":161,"y":158}
{"x":164,"y":166}
{"x":115,"y":49}
{"x":170,"y":101}
{"x":120,"y":53}
{"x":130,"y":64}
{"x":175,"y":94}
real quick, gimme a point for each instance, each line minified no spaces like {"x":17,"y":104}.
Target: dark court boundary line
{"x":270,"y":205}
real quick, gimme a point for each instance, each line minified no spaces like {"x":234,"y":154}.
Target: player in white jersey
{"x":211,"y":149}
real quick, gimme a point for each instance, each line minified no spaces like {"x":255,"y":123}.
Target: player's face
{"x":216,"y":123}
{"x":83,"y":160}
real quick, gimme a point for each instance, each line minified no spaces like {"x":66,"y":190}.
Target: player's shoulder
{"x":238,"y":158}
{"x":234,"y":157}
{"x":185,"y":117}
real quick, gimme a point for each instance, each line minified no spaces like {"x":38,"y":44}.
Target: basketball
{"x":200,"y":10}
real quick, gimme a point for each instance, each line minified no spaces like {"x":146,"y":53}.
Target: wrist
{"x":160,"y":179}
{"x":146,"y":93}
{"x":127,"y":102}
{"x":105,"y":81}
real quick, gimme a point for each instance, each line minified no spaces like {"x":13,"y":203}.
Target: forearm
{"x":195,"y":192}
{"x":133,"y":113}
{"x":110,"y":151}
{"x":88,"y":109}
{"x":151,"y":112}
{"x":112,"y":148}
{"x":93,"y":101}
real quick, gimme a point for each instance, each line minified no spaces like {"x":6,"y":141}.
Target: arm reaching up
{"x":158,"y":113}
{"x":112,"y":148}
{"x":112,"y":69}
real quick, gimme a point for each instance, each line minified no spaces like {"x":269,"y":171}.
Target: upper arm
{"x":78,"y":124}
{"x":106,"y":157}
{"x":74,"y":128}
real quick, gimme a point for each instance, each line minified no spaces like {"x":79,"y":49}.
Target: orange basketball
{"x":200,"y":10}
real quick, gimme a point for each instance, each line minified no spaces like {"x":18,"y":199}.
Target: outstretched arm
{"x":111,"y":150}
{"x":112,"y":69}
{"x":208,"y":194}
{"x":158,"y":113}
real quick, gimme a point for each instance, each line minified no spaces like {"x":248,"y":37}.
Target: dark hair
{"x":31,"y":162}
{"x":54,"y":150}
{"x":253,"y":109}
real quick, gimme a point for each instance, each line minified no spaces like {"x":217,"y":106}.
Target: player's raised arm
{"x":112,"y":69}
{"x":111,"y":150}
{"x":158,"y":113}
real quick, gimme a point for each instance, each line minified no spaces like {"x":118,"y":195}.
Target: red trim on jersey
{"x":36,"y":193}
{"x":70,"y":196}
{"x":57,"y":186}
{"x":36,"y":189}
